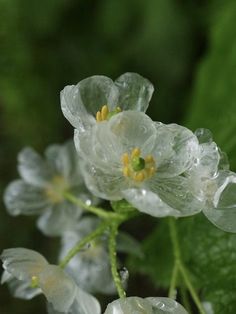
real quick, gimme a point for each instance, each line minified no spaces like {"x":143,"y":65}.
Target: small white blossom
{"x":32,"y":271}
{"x":134,"y":158}
{"x":136,"y":305}
{"x":97,"y":98}
{"x":41,"y":187}
{"x":213,"y":183}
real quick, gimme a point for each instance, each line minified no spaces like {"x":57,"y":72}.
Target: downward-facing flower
{"x":98,"y":98}
{"x":90,"y":268}
{"x":42,"y":186}
{"x":138,"y":305}
{"x":134,"y":158}
{"x":33,"y":271}
{"x":213,"y":183}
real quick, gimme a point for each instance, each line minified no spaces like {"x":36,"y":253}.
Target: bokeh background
{"x":186,"y":48}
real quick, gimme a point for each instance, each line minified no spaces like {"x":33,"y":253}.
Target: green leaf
{"x":208,"y":253}
{"x":214,"y":94}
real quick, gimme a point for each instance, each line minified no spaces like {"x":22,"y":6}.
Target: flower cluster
{"x":121,"y":155}
{"x":162,"y":170}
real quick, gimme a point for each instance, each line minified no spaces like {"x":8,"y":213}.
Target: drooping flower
{"x":41,"y":187}
{"x":213,"y":183}
{"x":145,"y":306}
{"x":90,"y":268}
{"x":32,"y":271}
{"x":98,"y":98}
{"x":132,"y":157}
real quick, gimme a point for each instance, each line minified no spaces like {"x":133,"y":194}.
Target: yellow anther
{"x":98,"y":116}
{"x":149,"y":159}
{"x":118,"y":109}
{"x":104,"y":112}
{"x":34,"y":282}
{"x":126,"y":171}
{"x":125,"y":159}
{"x":139,"y":177}
{"x":136,"y":152}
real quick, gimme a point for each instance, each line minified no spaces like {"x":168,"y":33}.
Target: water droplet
{"x":124,"y":275}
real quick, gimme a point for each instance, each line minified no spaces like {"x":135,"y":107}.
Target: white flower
{"x":213,"y":183}
{"x":41,"y":187}
{"x":136,"y":305}
{"x":90,"y":268}
{"x":33,"y":271}
{"x":134,"y":158}
{"x":97,"y":98}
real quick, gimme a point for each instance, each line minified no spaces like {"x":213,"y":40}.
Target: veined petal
{"x":19,"y":288}
{"x":135,"y":92}
{"x":23,"y":263}
{"x":58,"y":287}
{"x":175,"y":149}
{"x":129,"y":305}
{"x":166,"y":306}
{"x":102,"y":184}
{"x":222,"y":211}
{"x":59,"y":218}
{"x":81,"y":102}
{"x":32,"y":168}
{"x":22,"y":198}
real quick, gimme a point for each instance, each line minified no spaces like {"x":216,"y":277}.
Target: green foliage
{"x":214,"y":95}
{"x":208,"y":253}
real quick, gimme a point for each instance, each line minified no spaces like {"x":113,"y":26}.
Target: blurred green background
{"x":186,"y":48}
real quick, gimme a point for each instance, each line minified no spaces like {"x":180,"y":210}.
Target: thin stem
{"x":174,"y":277}
{"x":95,"y":210}
{"x":78,"y":247}
{"x":181,"y":267}
{"x":185,"y":299}
{"x":113,"y":260}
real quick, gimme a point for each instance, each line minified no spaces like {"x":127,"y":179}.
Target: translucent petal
{"x":222,"y":211}
{"x":59,"y":218}
{"x":166,"y":306}
{"x":19,"y":288}
{"x":175,"y":149}
{"x":84,"y":303}
{"x":135,"y":92}
{"x":81,"y":102}
{"x":102,"y":184}
{"x":23,"y":263}
{"x":59,"y":288}
{"x":204,"y":136}
{"x":131,"y":305}
{"x":22,"y":198}
{"x":94,"y":273}
{"x":32,"y":168}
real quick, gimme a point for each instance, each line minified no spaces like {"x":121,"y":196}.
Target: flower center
{"x":137,"y":167}
{"x":56,"y":189}
{"x":34,"y":282}
{"x":105,"y":114}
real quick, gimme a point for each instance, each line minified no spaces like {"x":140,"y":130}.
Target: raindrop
{"x":124,"y":275}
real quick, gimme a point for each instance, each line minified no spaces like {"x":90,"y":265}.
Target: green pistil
{"x":137,"y":163}
{"x":113,"y":113}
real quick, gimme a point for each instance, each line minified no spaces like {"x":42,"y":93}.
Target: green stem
{"x":78,"y":247}
{"x":174,"y":277}
{"x":181,"y":267}
{"x":95,"y":210}
{"x":113,"y":260}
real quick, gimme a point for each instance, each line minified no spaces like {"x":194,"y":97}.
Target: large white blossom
{"x":32,"y":271}
{"x":41,"y":187}
{"x":132,"y":157}
{"x":136,"y":305}
{"x":97,"y":98}
{"x":213,"y":183}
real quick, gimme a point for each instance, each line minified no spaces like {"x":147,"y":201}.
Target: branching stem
{"x":179,"y":265}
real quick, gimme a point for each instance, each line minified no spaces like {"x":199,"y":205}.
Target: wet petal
{"x":81,"y":102}
{"x":59,"y":218}
{"x":22,"y":198}
{"x":19,"y":288}
{"x":222,"y":212}
{"x":175,"y":149}
{"x":131,"y":305}
{"x":32,"y":168}
{"x":59,"y":288}
{"x":135,"y":92}
{"x":166,"y":306}
{"x":23,"y":263}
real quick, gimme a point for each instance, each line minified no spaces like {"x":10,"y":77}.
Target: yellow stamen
{"x":136,"y":152}
{"x":34,"y":282}
{"x":126,"y":171}
{"x":104,"y":112}
{"x":125,"y":159}
{"x":149,"y":159}
{"x":139,"y":177}
{"x":99,"y":116}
